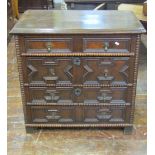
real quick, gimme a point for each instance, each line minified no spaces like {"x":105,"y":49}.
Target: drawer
{"x":78,"y":95}
{"x":106,"y":114}
{"x":48,"y":95}
{"x":79,"y":70}
{"x":107,"y":45}
{"x":48,"y":45}
{"x":79,"y":114}
{"x":53,"y":114}
{"x":108,"y":70}
{"x":42,"y":70}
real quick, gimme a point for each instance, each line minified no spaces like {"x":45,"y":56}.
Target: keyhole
{"x":77,"y":91}
{"x":77,"y":61}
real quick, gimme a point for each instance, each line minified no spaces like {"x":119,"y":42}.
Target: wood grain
{"x":81,"y":83}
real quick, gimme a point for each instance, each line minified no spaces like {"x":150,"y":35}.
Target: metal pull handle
{"x":105,"y":72}
{"x":53,"y":114}
{"x":106,"y":46}
{"x":103,"y":97}
{"x":51,"y":110}
{"x":49,"y":47}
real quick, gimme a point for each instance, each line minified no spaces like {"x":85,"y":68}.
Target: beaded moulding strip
{"x":20,"y":70}
{"x":135,"y":78}
{"x":78,"y":125}
{"x":78,"y":104}
{"x":76,"y":85}
{"x":77,"y":54}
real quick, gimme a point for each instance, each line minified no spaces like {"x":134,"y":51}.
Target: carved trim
{"x":135,"y":78}
{"x":88,"y":69}
{"x":20,"y":70}
{"x":76,"y":85}
{"x":67,"y":71}
{"x":123,"y":70}
{"x":78,"y":104}
{"x":105,"y":95}
{"x":32,"y":69}
{"x":78,"y":125}
{"x":77,"y":54}
{"x":50,"y":95}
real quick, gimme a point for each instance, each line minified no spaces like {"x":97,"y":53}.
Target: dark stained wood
{"x":91,"y":4}
{"x":106,"y":44}
{"x":77,"y":22}
{"x":122,"y":1}
{"x":82,"y":78}
{"x":61,"y":70}
{"x":74,"y":95}
{"x":67,"y":114}
{"x":24,"y":5}
{"x":48,"y":45}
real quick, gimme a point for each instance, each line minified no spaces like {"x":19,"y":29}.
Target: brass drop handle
{"x":106,"y":46}
{"x":105,"y":72}
{"x":49,"y":47}
{"x":104,"y":97}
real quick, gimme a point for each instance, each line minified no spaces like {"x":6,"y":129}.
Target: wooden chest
{"x":78,"y":68}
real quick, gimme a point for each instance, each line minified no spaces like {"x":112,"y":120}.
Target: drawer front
{"x":45,"y":95}
{"x":42,"y":70}
{"x":79,"y":70}
{"x":107,"y":70}
{"x":53,"y":114}
{"x":79,"y":114}
{"x":49,"y":45}
{"x":109,"y":95}
{"x":107,"y":45}
{"x":106,"y":114}
{"x":75,"y":95}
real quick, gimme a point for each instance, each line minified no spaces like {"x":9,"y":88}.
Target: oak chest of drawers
{"x":78,"y":68}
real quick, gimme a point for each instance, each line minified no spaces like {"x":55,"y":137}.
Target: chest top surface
{"x":77,"y":22}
